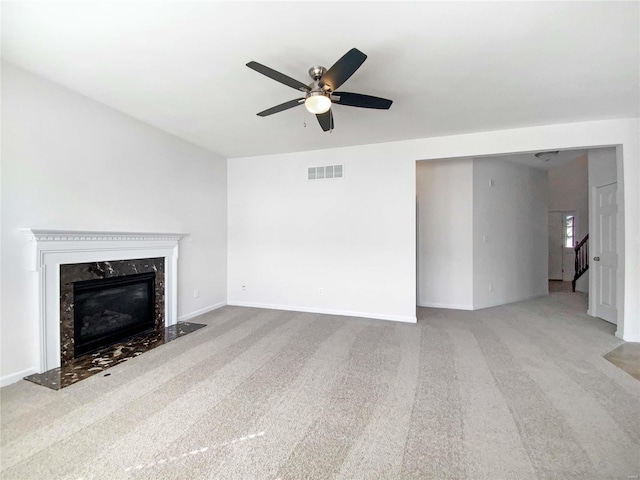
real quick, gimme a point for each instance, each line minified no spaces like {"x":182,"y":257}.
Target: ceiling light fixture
{"x":546,"y":156}
{"x":317,"y":102}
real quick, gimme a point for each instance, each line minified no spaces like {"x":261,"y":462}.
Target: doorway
{"x":563,"y":231}
{"x":568,"y":183}
{"x":454,"y":192}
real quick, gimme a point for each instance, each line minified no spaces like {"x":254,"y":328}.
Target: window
{"x":569,"y":231}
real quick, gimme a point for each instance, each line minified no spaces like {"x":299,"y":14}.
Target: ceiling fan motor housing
{"x":316,"y":72}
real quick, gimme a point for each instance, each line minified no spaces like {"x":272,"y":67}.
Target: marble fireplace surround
{"x":52,"y":248}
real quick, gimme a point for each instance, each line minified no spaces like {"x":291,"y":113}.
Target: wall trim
{"x":202,"y":311}
{"x":451,"y":306}
{"x":516,"y":300}
{"x":53,"y":235}
{"x":327,"y":311}
{"x":16,"y":377}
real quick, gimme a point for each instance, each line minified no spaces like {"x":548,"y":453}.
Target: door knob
{"x":597,"y":259}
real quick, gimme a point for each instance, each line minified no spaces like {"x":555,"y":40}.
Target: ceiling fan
{"x":321,"y":94}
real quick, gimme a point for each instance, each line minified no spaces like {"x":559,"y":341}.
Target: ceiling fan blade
{"x":326,"y":120}
{"x":281,"y":107}
{"x":277,"y":76}
{"x":343,"y":69}
{"x":359,"y":100}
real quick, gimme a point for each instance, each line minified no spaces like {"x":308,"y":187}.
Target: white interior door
{"x":556,"y":238}
{"x":604,"y":259}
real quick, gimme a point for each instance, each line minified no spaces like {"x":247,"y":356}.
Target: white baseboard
{"x":16,"y":377}
{"x":628,"y":338}
{"x":326,"y":311}
{"x":506,"y":302}
{"x":202,"y":311}
{"x":451,"y":306}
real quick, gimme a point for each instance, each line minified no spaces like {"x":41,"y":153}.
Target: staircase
{"x":582,"y":260}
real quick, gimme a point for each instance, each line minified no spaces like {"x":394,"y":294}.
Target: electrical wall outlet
{"x":196,"y":293}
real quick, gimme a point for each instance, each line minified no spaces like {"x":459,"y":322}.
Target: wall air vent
{"x":326,"y":172}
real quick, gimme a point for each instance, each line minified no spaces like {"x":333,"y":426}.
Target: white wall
{"x":482,"y":233}
{"x":510,"y":234}
{"x":602,"y":168}
{"x":445,"y":233}
{"x":344,"y":246}
{"x":390,"y":180}
{"x":568,"y":191}
{"x":71,"y":163}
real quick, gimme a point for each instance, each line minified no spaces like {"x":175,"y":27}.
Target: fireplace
{"x":75,"y":267}
{"x":102,"y":303}
{"x":109,"y":310}
{"x":63,"y":258}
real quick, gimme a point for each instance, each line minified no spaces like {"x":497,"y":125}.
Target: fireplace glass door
{"x":109,"y":310}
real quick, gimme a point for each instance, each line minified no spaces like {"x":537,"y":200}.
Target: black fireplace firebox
{"x":109,"y":310}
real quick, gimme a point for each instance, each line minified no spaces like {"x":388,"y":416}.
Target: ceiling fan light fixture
{"x":317,"y":102}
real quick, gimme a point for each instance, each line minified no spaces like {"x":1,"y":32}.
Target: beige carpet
{"x":514,"y":392}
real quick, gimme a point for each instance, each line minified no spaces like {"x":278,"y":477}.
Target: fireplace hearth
{"x":101,"y":360}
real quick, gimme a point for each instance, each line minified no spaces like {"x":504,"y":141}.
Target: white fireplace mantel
{"x":52,"y":248}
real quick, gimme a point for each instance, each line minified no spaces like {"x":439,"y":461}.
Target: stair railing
{"x":581,"y":261}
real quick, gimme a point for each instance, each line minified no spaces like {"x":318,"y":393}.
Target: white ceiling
{"x":450,"y":67}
